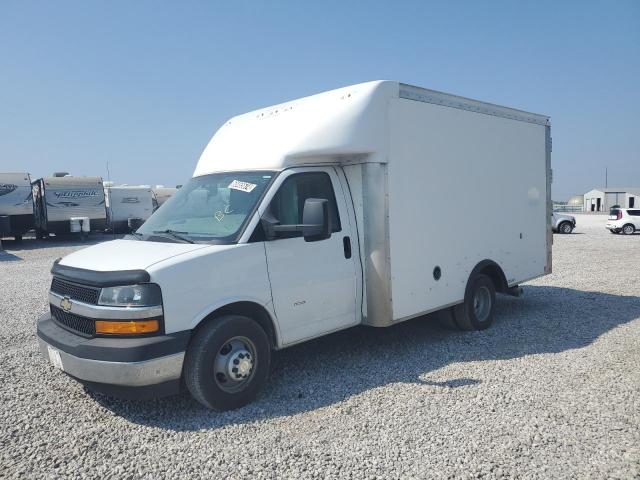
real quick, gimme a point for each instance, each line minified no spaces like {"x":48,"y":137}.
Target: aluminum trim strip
{"x":410,"y":92}
{"x":102,"y":312}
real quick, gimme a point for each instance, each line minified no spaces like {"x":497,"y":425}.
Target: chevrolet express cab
{"x":303,"y":219}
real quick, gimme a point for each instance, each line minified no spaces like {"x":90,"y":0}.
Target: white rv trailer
{"x":59,"y":199}
{"x":127,"y":202}
{"x":306,"y":218}
{"x":161,"y":194}
{"x":16,"y":203}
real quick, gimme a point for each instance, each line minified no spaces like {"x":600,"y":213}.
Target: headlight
{"x":131,"y":296}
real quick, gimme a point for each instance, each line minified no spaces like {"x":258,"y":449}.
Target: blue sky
{"x":144,"y":84}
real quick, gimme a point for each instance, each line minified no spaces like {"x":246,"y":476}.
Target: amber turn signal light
{"x":127,"y":328}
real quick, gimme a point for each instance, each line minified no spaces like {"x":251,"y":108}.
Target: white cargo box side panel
{"x":463,"y":187}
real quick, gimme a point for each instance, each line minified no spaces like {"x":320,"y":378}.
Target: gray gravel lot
{"x":552,"y":390}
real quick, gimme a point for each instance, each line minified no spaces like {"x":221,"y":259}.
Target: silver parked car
{"x":562,"y":223}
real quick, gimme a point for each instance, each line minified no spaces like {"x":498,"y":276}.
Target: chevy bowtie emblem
{"x":65,"y":304}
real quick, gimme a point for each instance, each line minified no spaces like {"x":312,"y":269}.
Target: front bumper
{"x":118,"y":362}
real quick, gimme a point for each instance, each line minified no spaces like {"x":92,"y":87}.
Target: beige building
{"x":602,"y":199}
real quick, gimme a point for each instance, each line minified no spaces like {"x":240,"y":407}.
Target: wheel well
{"x":247,"y":309}
{"x":494,"y":272}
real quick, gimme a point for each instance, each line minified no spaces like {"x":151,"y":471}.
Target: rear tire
{"x":477,"y":311}
{"x":565,"y":227}
{"x":628,"y":229}
{"x":227,"y":362}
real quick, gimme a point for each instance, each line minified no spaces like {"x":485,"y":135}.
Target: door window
{"x":288,"y":204}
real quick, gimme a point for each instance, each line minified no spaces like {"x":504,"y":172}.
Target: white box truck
{"x":59,"y":202}
{"x":16,"y":203}
{"x":370,"y":204}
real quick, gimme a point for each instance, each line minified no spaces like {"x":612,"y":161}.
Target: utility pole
{"x":606,"y":177}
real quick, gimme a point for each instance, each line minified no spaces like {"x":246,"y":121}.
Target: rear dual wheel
{"x":477,"y":311}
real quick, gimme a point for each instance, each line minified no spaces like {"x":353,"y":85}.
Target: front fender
{"x":198,"y":283}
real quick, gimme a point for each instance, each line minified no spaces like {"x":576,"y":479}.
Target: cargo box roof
{"x":346,"y":125}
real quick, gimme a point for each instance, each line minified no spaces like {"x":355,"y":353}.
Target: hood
{"x":126,"y":255}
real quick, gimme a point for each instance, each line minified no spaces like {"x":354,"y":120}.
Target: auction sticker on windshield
{"x":242,"y":186}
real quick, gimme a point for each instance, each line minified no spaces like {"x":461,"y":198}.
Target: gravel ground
{"x":552,"y":390}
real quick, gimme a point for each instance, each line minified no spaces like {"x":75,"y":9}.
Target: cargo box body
{"x":430,"y":210}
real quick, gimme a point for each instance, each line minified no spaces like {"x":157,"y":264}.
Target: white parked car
{"x":624,"y":220}
{"x":562,"y":223}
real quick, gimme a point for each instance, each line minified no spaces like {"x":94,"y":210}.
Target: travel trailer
{"x":161,"y":194}
{"x":127,"y":206}
{"x":302,"y":219}
{"x":16,"y":203}
{"x":58,"y":201}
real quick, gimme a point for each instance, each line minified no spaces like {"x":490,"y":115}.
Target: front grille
{"x":83,"y":325}
{"x":74,"y":291}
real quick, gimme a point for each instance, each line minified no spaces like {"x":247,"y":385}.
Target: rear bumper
{"x":115,"y":362}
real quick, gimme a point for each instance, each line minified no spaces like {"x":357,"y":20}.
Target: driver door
{"x":313,"y":283}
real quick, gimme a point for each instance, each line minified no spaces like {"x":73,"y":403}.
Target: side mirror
{"x":316,"y":222}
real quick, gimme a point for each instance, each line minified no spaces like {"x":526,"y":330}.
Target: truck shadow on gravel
{"x":334,"y":368}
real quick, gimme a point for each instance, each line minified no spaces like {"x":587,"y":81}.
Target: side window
{"x":634,"y":213}
{"x":288,"y":204}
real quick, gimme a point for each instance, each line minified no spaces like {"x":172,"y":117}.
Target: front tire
{"x":628,"y":229}
{"x":227,"y":362}
{"x":566,"y":227}
{"x":477,"y":311}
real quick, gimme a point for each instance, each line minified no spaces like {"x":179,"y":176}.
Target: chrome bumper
{"x":130,"y":374}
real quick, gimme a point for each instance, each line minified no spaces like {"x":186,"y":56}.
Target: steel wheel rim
{"x":482,"y":304}
{"x":235,"y":364}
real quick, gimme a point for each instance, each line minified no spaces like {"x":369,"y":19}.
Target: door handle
{"x":346,"y":243}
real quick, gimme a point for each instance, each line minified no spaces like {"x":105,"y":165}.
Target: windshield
{"x":209,"y":208}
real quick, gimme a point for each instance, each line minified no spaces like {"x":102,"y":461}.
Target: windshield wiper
{"x":174,"y":234}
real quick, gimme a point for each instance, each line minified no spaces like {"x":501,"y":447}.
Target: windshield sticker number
{"x":242,"y":186}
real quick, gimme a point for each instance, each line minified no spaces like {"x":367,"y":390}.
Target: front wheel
{"x":227,"y":362}
{"x":566,"y":227}
{"x":628,"y":229}
{"x":477,"y":310}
